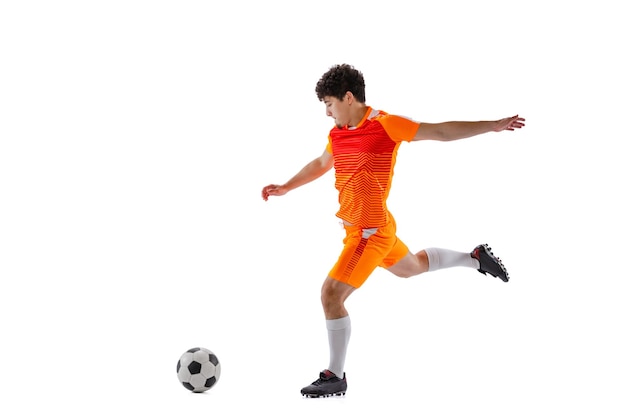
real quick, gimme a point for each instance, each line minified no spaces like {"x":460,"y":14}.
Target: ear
{"x":349,"y":97}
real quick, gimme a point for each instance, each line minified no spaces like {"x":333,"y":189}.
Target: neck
{"x":358,"y":112}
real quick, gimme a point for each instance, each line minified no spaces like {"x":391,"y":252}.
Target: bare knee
{"x":330,"y":297}
{"x":334,"y":294}
{"x":422,"y":262}
{"x":411,"y":265}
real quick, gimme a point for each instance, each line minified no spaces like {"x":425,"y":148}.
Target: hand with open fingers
{"x":510,"y":124}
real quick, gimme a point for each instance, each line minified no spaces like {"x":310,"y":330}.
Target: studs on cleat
{"x":489,"y":263}
{"x":328,"y":395}
{"x":327,"y":385}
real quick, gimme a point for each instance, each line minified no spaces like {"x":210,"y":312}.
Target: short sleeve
{"x":329,"y":146}
{"x":399,"y":128}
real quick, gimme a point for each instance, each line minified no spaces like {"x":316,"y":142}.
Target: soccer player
{"x":362,"y":148}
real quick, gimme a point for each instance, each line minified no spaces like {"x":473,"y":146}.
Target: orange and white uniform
{"x":364,"y":159}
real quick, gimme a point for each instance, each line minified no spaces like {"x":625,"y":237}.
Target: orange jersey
{"x":365,"y":157}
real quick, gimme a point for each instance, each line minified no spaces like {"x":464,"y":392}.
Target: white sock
{"x":338,"y":336}
{"x":439,"y":258}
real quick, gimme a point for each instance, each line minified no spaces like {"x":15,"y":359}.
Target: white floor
{"x":134,"y":143}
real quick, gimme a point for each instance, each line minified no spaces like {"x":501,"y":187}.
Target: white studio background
{"x":135,"y":138}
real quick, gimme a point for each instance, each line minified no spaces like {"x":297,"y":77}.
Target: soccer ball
{"x":198,"y":369}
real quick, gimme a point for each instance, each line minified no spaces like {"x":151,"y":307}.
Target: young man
{"x":362,"y":149}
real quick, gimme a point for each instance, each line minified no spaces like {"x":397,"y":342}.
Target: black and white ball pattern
{"x":198,"y":369}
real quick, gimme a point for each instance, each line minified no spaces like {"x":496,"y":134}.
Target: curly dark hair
{"x":339,"y":80}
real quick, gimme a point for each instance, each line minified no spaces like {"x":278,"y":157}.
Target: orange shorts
{"x":364,"y":250}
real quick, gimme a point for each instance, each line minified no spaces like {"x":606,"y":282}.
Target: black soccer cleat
{"x":489,"y":263}
{"x":327,"y":385}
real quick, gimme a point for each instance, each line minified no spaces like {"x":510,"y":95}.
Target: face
{"x":338,"y":110}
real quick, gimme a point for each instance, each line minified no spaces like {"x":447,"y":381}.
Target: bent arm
{"x":312,"y":171}
{"x":451,"y":131}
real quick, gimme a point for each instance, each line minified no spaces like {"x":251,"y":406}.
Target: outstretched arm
{"x":309,"y":172}
{"x":450,"y":131}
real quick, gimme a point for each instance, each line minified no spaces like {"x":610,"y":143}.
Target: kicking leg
{"x":432,"y":259}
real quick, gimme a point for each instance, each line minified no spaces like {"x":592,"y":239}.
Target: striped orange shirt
{"x":365,"y":157}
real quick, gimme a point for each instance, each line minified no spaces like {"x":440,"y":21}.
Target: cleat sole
{"x":329,"y":395}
